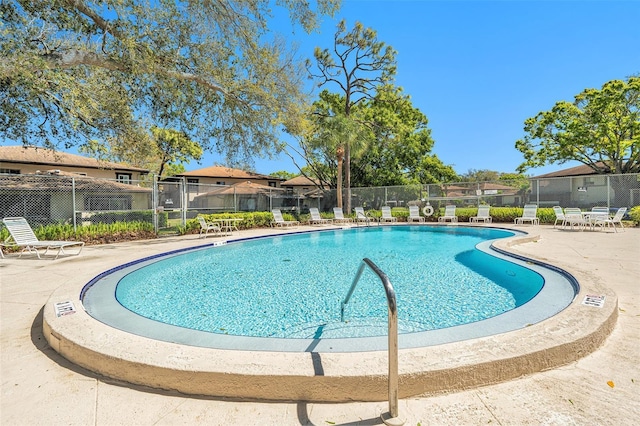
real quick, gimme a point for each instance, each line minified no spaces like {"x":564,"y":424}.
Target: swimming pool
{"x":284,"y":292}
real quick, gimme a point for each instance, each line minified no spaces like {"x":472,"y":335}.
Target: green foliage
{"x":90,"y":234}
{"x":601,"y":129}
{"x":132,"y":216}
{"x":74,"y":71}
{"x":283,"y":174}
{"x":390,"y":142}
{"x":357,"y":65}
{"x":634,"y":214}
{"x":250,"y":220}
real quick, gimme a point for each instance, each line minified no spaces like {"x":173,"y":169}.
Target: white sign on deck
{"x":64,"y":308}
{"x":593,"y":300}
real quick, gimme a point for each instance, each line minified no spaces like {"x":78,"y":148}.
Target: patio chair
{"x":339,"y":216}
{"x":205,"y":227}
{"x":361,"y":216}
{"x":574,"y":217}
{"x":617,"y":218}
{"x":414,"y":214}
{"x":449,"y":214}
{"x":316,"y":218}
{"x":559,"y":216}
{"x":530,"y":214}
{"x":23,"y":236}
{"x":386,"y":215}
{"x":482,"y":215}
{"x":278,"y":220}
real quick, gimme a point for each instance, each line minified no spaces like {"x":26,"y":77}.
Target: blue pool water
{"x":292,"y":286}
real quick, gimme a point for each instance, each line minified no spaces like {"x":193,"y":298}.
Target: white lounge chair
{"x":414,"y":214}
{"x":278,"y":220}
{"x":449,"y":214}
{"x":316,"y":218}
{"x":339,"y":216}
{"x":617,"y":218}
{"x":386,"y":215}
{"x":361,"y":216}
{"x":559,"y":216}
{"x":482,"y":215}
{"x":530,"y":214}
{"x":205,"y":227}
{"x":23,"y":236}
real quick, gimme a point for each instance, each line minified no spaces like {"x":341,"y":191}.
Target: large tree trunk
{"x":347,"y":176}
{"x":340,"y":155}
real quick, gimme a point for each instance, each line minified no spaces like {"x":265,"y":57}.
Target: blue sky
{"x":479,"y":69}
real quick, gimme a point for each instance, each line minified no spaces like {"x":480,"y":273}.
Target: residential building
{"x":27,"y":160}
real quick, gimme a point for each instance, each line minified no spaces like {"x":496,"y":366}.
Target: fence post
{"x":73,"y":202}
{"x":608,"y":192}
{"x":185,"y":201}
{"x":154,"y":202}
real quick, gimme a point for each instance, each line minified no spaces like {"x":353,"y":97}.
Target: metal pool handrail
{"x":393,"y":336}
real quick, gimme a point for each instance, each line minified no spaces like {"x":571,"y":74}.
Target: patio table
{"x":228,"y":224}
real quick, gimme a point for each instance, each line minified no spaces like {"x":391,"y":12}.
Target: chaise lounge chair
{"x":316,"y":218}
{"x":386,"y":215}
{"x":414,"y":214}
{"x":482,"y":215}
{"x":449,"y":214}
{"x":23,"y":236}
{"x":205,"y":227}
{"x":339,"y":216}
{"x":361,"y":216}
{"x":530,"y":214}
{"x":278,"y":220}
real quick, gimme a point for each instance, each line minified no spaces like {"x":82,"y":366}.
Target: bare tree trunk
{"x":347,"y":176}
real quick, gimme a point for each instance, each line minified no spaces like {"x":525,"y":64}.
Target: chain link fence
{"x":81,"y":201}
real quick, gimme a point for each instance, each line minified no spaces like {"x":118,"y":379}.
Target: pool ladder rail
{"x":391,"y":418}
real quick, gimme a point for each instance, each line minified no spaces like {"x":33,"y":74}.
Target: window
{"x":103,"y":202}
{"x":10,"y":171}
{"x":220,"y":183}
{"x":123,"y":177}
{"x":272,"y":184}
{"x":193,"y":185}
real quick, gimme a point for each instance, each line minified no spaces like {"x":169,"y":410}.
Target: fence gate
{"x":170,"y":207}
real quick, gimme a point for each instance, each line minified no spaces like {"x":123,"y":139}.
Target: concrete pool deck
{"x":41,"y":387}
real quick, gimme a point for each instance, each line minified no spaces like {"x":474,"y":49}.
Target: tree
{"x":484,"y":175}
{"x":600,"y":129}
{"x":174,"y":148}
{"x":398,"y":151}
{"x":361,"y":63}
{"x":163,"y":151}
{"x":74,"y":70}
{"x":389,"y":138}
{"x":324,"y":144}
{"x":283,"y":174}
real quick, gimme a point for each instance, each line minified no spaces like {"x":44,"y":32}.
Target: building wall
{"x":26,"y":169}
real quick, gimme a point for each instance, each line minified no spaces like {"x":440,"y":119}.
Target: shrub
{"x":634,"y":215}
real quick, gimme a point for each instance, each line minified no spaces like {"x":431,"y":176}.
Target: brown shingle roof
{"x":225,"y":172}
{"x":242,"y":188}
{"x":45,"y":156}
{"x":572,"y":171}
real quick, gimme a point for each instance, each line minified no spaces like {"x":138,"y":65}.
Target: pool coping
{"x":332,"y":377}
